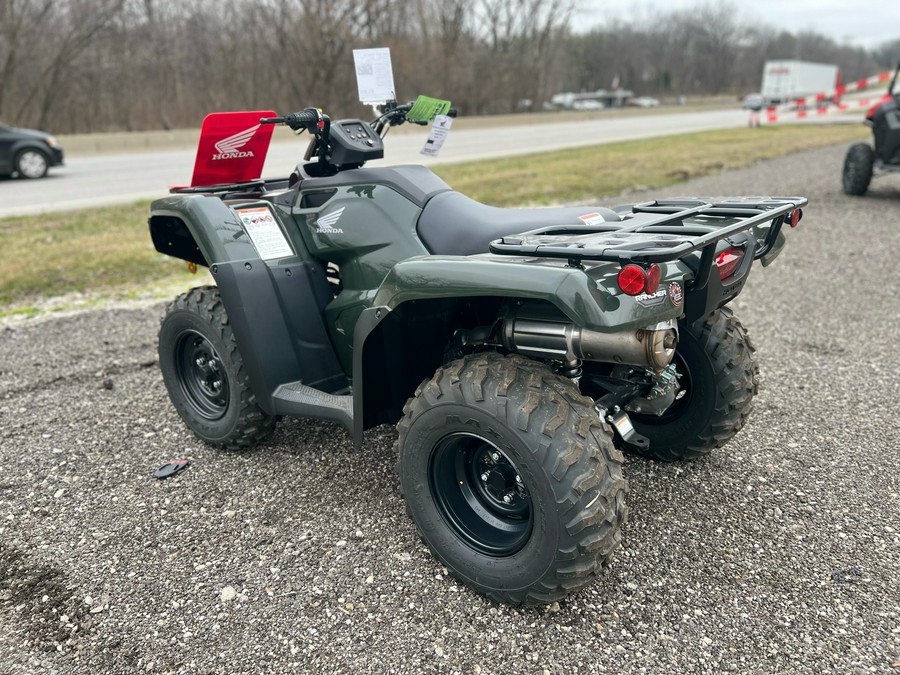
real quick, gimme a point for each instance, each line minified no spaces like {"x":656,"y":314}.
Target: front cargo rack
{"x":260,"y":185}
{"x":642,"y":238}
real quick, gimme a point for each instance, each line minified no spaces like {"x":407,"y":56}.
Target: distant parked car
{"x":643,"y":102}
{"x":27,"y":153}
{"x":588,"y":105}
{"x":753,"y":102}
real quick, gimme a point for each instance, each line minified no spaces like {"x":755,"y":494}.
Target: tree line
{"x":73,"y":66}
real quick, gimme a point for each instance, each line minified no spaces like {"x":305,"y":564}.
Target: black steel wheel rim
{"x":201,"y":375}
{"x":480,"y":494}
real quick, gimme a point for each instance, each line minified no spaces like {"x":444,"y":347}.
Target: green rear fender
{"x":402,"y":337}
{"x":590,"y":298}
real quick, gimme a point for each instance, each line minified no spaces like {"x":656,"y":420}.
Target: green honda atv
{"x":518,"y":351}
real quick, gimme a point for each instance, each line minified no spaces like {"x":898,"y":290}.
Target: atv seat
{"x":453,"y":224}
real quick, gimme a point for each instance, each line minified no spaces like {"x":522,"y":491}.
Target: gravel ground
{"x":778,"y":553}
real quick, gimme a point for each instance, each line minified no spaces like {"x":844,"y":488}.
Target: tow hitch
{"x":621,"y":424}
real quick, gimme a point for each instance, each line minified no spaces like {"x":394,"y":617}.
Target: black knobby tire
{"x":467,"y":434}
{"x":204,"y":373}
{"x":719,"y":378}
{"x":857,"y":173}
{"x":31,"y":163}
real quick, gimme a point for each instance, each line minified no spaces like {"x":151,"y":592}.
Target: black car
{"x":27,"y":153}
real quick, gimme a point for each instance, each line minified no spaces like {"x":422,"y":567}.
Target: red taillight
{"x":794,"y":217}
{"x":654,"y":273}
{"x":728,"y":262}
{"x":632,"y":280}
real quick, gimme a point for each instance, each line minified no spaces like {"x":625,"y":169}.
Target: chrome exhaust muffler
{"x":541,"y":331}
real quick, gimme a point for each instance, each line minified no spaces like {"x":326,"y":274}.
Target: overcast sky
{"x":858,"y":22}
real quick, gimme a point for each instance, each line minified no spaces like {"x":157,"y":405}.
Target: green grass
{"x":107,"y":251}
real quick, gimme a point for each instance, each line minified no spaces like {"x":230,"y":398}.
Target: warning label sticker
{"x":267,"y":237}
{"x":592,"y":218}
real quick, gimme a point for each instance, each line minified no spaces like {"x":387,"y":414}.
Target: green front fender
{"x":198,"y":229}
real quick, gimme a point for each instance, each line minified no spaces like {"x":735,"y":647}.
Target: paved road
{"x":778,"y":553}
{"x":115,"y":179}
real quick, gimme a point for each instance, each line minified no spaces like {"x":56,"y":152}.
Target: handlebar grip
{"x":452,"y":112}
{"x":306,"y":119}
{"x":302,"y":120}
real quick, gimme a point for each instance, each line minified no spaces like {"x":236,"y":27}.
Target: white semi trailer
{"x":786,"y":81}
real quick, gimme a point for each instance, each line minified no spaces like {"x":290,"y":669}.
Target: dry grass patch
{"x":608,"y":170}
{"x":57,"y":253}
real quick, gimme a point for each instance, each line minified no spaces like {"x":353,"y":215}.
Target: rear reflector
{"x":794,"y":217}
{"x":727,"y":262}
{"x":654,"y":273}
{"x":632,"y":280}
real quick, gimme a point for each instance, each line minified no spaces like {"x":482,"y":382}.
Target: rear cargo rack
{"x":661,"y":239}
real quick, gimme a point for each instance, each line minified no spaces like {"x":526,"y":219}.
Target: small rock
{"x":228,"y":594}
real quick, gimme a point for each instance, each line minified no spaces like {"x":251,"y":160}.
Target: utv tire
{"x":719,"y":377}
{"x":511,"y":478}
{"x":204,"y":373}
{"x":857,"y":173}
{"x":31,"y":164}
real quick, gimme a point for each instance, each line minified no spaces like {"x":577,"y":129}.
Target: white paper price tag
{"x":374,"y":75}
{"x":438,"y":134}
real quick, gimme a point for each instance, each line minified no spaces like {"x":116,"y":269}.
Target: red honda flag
{"x":232,"y":148}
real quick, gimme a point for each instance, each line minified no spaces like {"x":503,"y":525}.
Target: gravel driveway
{"x":778,"y":553}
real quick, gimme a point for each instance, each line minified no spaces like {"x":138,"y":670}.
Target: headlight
{"x":51,"y":141}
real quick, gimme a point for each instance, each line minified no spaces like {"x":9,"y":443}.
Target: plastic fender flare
{"x":576,"y":294}
{"x":199,"y":229}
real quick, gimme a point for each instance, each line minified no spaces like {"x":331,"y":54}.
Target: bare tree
{"x":90,"y":65}
{"x":19,"y":24}
{"x":85,"y":20}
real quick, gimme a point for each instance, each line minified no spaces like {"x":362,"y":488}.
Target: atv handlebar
{"x":310,"y":119}
{"x":393,"y":114}
{"x":322,"y":146}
